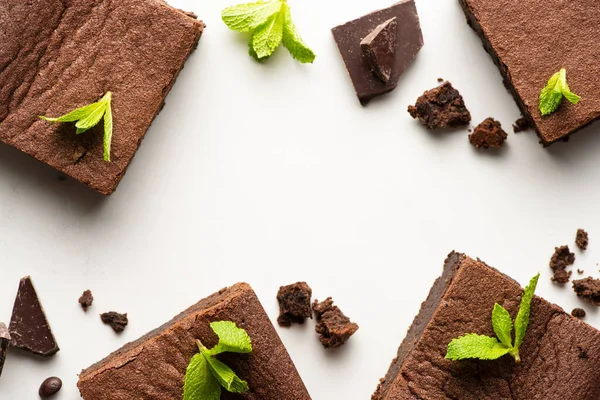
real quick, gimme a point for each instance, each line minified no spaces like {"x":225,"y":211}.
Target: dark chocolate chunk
{"x":333,"y":327}
{"x":379,"y":49}
{"x":520,"y":125}
{"x":581,"y":239}
{"x":50,"y":387}
{"x":408,"y":42}
{"x":561,"y":259}
{"x":588,"y":289}
{"x":578,"y":313}
{"x":441,"y":107}
{"x":4,"y":342}
{"x":294,"y":303}
{"x":488,"y":134}
{"x":29,"y":328}
{"x":86,"y":300}
{"x":115,"y":320}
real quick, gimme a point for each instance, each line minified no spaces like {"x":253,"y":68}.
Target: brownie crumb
{"x":294,"y":304}
{"x":578,"y":313}
{"x":520,"y":125}
{"x":333,"y":327}
{"x":86,"y":300}
{"x":116,"y":321}
{"x":561,"y":259}
{"x":441,"y":107}
{"x":488,"y":134}
{"x":581,"y":239}
{"x":582,"y":353}
{"x":440,"y":80}
{"x":580,"y":271}
{"x":588,"y":289}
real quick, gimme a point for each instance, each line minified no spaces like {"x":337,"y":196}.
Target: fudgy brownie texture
{"x":333,"y":327}
{"x":441,"y":107}
{"x":86,"y":300}
{"x":59,"y":55}
{"x":116,"y":321}
{"x":588,"y":289}
{"x":521,"y":38}
{"x":521,"y":125}
{"x":561,"y":259}
{"x":294,"y":303}
{"x":578,"y":313}
{"x":153,"y":367}
{"x":488,"y":134}
{"x":461,"y":301}
{"x":581,"y":239}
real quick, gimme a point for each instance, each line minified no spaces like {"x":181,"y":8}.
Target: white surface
{"x":274,"y":173}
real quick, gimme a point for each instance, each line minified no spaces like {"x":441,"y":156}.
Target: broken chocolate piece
{"x":581,"y":239}
{"x":29,"y":329}
{"x":488,"y":134}
{"x":294,"y":303}
{"x":115,"y":320}
{"x":333,"y":327}
{"x":441,"y":107}
{"x":588,"y":289}
{"x":379,"y":49}
{"x":408,"y":42}
{"x":561,"y":259}
{"x":578,"y":313}
{"x":520,"y":125}
{"x":4,"y":342}
{"x":86,"y":300}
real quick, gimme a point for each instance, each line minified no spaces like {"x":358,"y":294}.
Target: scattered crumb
{"x":561,"y":259}
{"x":86,"y":300}
{"x":578,"y":313}
{"x":333,"y":327}
{"x":440,"y":80}
{"x":581,"y":239}
{"x":582,"y":353}
{"x":520,"y":125}
{"x":588,"y":289}
{"x":116,"y":321}
{"x":488,"y":134}
{"x":441,"y":107}
{"x":294,"y":304}
{"x":580,"y":271}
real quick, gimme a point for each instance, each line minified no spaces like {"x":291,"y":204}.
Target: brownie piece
{"x":116,"y":321}
{"x":588,"y":289}
{"x":4,"y":343}
{"x":561,"y":259}
{"x":488,"y":134}
{"x":153,"y":367}
{"x":581,"y":239}
{"x":461,"y":301}
{"x":521,"y":38}
{"x":333,"y":327}
{"x":86,"y":300}
{"x":57,"y":56}
{"x":520,"y":125}
{"x":294,"y":303}
{"x":578,"y":313}
{"x":441,"y":107}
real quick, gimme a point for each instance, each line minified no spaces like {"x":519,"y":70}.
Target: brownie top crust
{"x":460,"y":302}
{"x":58,"y":55}
{"x":530,"y":41}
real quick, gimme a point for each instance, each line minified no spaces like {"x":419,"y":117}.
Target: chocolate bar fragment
{"x":4,"y":343}
{"x":29,"y":328}
{"x":461,"y":301}
{"x":378,"y":47}
{"x":57,"y":56}
{"x":153,"y":367}
{"x":522,"y":38}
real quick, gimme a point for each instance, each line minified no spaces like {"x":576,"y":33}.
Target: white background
{"x":274,"y":173}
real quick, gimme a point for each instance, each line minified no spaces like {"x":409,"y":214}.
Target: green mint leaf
{"x":92,"y":118}
{"x":476,"y":346}
{"x":75,"y":115}
{"x":247,"y":17}
{"x":268,"y":36}
{"x":231,"y":338}
{"x":225,"y":375}
{"x":200,"y":383}
{"x":108,"y":131}
{"x":502,"y":324}
{"x":292,"y":40}
{"x":522,"y":319}
{"x":553,"y":93}
{"x":254,"y":55}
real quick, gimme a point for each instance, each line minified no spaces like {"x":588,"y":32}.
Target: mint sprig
{"x":206,"y":375}
{"x":552,"y":95}
{"x":484,"y":347}
{"x":270,"y":24}
{"x":87,"y":117}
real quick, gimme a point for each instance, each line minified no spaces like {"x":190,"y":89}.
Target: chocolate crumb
{"x":86,"y":300}
{"x":588,"y":289}
{"x":582,"y":353}
{"x":578,"y":313}
{"x":116,"y":321}
{"x":581,"y":239}
{"x":333,"y":327}
{"x":561,"y":259}
{"x":440,"y":80}
{"x":294,"y":303}
{"x":580,"y":271}
{"x":520,"y":125}
{"x":488,"y":134}
{"x":441,"y":107}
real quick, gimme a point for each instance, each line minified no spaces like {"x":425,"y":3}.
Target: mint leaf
{"x":75,"y":115}
{"x":552,"y":94}
{"x":231,"y":338}
{"x":268,"y":36}
{"x":292,"y":40}
{"x":247,"y":17}
{"x":502,"y":324}
{"x":225,"y":375}
{"x":200,"y":383}
{"x":108,"y":131}
{"x":522,"y":319}
{"x":476,"y":346}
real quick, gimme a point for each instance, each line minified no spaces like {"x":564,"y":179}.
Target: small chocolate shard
{"x":86,"y":300}
{"x":488,"y":134}
{"x":561,"y":259}
{"x":115,"y":320}
{"x":441,"y":107}
{"x":379,"y":49}
{"x":588,"y":289}
{"x":29,"y":328}
{"x":294,"y":303}
{"x":333,"y":327}
{"x":520,"y":125}
{"x":582,"y":239}
{"x":4,"y":342}
{"x":578,"y":313}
